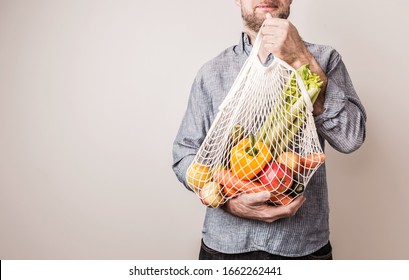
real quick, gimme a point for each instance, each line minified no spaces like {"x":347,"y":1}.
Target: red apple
{"x":276,"y":177}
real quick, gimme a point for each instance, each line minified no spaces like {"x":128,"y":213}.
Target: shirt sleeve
{"x":342,"y":124}
{"x":192,"y":131}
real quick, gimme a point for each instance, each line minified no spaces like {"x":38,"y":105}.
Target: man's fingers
{"x":293,"y":207}
{"x":279,"y":212}
{"x":273,"y":21}
{"x":254,"y":206}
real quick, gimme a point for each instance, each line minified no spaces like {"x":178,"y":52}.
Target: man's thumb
{"x":259,"y":198}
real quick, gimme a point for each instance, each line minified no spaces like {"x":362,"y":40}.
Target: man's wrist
{"x":300,"y":60}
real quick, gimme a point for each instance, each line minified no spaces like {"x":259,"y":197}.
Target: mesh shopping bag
{"x":263,"y":137}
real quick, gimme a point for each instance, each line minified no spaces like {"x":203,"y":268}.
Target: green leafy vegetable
{"x":289,"y":111}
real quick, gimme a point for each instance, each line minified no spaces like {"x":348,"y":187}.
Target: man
{"x":246,"y":227}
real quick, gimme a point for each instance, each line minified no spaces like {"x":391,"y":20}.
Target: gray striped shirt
{"x":342,"y":125}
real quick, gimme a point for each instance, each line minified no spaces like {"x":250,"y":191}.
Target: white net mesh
{"x":263,"y":137}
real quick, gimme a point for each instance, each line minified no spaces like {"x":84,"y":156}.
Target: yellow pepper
{"x":248,"y":158}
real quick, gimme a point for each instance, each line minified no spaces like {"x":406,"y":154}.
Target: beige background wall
{"x":91,"y":96}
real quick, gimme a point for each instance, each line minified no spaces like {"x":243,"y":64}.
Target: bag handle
{"x":257,"y":44}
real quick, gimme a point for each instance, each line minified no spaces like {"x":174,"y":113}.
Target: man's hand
{"x":254,"y":206}
{"x":281,"y":38}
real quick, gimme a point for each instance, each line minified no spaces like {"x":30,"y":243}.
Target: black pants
{"x":206,"y":253}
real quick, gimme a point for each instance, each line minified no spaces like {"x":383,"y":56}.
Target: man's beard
{"x":254,"y":23}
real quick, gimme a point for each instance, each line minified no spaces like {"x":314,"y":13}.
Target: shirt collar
{"x":245,"y":43}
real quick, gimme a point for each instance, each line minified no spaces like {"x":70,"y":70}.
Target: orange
{"x":198,"y":175}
